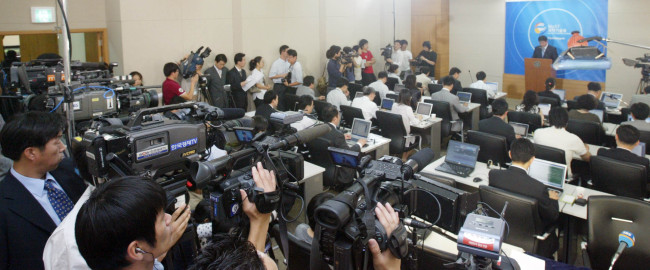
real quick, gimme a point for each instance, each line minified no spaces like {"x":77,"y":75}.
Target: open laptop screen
{"x":639,"y":150}
{"x":387,"y":103}
{"x":545,"y":108}
{"x":464,"y":96}
{"x":598,"y":113}
{"x":361,"y":128}
{"x":549,"y":173}
{"x":611,"y":100}
{"x":424,"y":108}
{"x":560,"y":93}
{"x":494,"y":86}
{"x":520,"y":129}
{"x":462,"y":153}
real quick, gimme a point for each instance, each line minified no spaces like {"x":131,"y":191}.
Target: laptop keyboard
{"x":456,"y":169}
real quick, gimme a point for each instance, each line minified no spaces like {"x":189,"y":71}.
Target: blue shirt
{"x":334,"y":72}
{"x":37,"y":188}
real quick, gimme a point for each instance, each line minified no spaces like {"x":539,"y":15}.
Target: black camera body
{"x":188,"y":66}
{"x":387,"y":52}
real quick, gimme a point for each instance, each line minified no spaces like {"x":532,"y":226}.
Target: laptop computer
{"x":358,"y":95}
{"x":460,"y":159}
{"x":398,"y":88}
{"x":611,"y":100}
{"x":551,"y":174}
{"x":520,"y":129}
{"x":464,"y":97}
{"x":560,"y":93}
{"x":387,"y":103}
{"x":545,"y":108}
{"x":360,"y":130}
{"x":639,"y":150}
{"x":598,"y":113}
{"x":493,"y":86}
{"x":424,"y":109}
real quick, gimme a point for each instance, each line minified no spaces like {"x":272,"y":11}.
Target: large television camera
{"x":387,"y":52}
{"x":188,"y":66}
{"x":223,"y":177}
{"x":346,"y":55}
{"x":37,"y":76}
{"x":347,"y":221}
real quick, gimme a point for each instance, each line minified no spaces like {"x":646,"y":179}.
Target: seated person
{"x":447,"y":96}
{"x":639,"y":112}
{"x":366,"y":103}
{"x":516,"y":179}
{"x":172,"y":91}
{"x":550,"y":85}
{"x":306,"y":106}
{"x":269,"y":105}
{"x":643,"y":97}
{"x":480,"y":84}
{"x":39,"y":190}
{"x":260,"y":124}
{"x":403,"y":108}
{"x":337,"y":139}
{"x":529,"y":104}
{"x":339,"y":95}
{"x":380,"y":85}
{"x":627,"y":137}
{"x":305,"y":232}
{"x":497,"y":123}
{"x":585,"y":104}
{"x":593,"y":88}
{"x":556,"y":136}
{"x":393,"y":72}
{"x":416,"y":92}
{"x":455,"y":73}
{"x":307,"y":88}
{"x":424,"y":79}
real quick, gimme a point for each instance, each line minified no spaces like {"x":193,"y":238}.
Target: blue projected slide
{"x":526,"y":21}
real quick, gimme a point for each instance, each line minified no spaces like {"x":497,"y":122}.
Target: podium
{"x":537,"y":71}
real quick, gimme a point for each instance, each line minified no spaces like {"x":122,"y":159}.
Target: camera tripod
{"x":643,"y":83}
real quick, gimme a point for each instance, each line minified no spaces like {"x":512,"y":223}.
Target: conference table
{"x":312,"y":179}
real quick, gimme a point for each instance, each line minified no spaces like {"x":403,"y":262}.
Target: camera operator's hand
{"x":195,"y":78}
{"x":179,"y":220}
{"x":390,"y":220}
{"x":259,"y":223}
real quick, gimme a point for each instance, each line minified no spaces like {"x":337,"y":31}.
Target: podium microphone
{"x":625,"y":239}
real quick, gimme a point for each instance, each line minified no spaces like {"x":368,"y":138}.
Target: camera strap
{"x":397,"y":242}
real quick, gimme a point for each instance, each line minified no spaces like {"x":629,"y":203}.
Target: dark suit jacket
{"x":265,"y":110}
{"x":337,"y":139}
{"x":495,"y":125}
{"x":415,"y":98}
{"x":457,"y":87}
{"x":234,"y":78}
{"x":626,"y":156}
{"x":216,"y":84}
{"x":550,"y":53}
{"x":24,"y":224}
{"x":517,"y":180}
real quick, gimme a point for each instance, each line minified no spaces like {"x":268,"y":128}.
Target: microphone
{"x":230,"y":113}
{"x":625,"y":239}
{"x":469,"y":72}
{"x":301,"y":137}
{"x":417,"y":162}
{"x":414,"y":223}
{"x":590,"y":39}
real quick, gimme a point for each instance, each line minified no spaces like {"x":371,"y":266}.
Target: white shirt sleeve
{"x":255,"y":78}
{"x":296,"y":73}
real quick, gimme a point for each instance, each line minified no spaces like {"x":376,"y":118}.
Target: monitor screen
{"x":244,"y":135}
{"x":520,"y":129}
{"x":545,"y":108}
{"x":639,"y":150}
{"x":361,"y":128}
{"x":424,"y":108}
{"x":549,"y":173}
{"x":464,"y":96}
{"x":598,"y":113}
{"x":462,"y":153}
{"x":611,"y":100}
{"x":560,"y":93}
{"x":387,"y":103}
{"x":344,"y":158}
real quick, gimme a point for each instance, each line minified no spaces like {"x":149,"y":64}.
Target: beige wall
{"x":477,"y":39}
{"x":15,"y":15}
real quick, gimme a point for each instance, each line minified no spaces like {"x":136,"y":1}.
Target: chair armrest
{"x":586,"y":261}
{"x":547,"y":233}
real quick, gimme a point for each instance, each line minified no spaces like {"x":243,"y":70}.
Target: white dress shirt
{"x":37,"y":188}
{"x":480,"y":84}
{"x":367,"y":106}
{"x":561,"y":139}
{"x":337,"y":98}
{"x":357,"y":70}
{"x":424,"y":80}
{"x":381,"y":88}
{"x":305,"y":123}
{"x":408,"y":119}
{"x":396,"y":56}
{"x":279,"y":67}
{"x":296,"y":72}
{"x":393,"y":75}
{"x":405,"y":63}
{"x":256,"y":77}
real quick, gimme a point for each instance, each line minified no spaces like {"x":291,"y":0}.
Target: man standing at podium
{"x":544,"y":50}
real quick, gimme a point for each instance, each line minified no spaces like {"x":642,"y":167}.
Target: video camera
{"x":640,"y":62}
{"x":387,"y":52}
{"x":346,"y":55}
{"x":37,"y":76}
{"x":223,"y":177}
{"x":347,"y":221}
{"x":188,"y":66}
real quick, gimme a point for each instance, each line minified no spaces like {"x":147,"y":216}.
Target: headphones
{"x":139,"y":250}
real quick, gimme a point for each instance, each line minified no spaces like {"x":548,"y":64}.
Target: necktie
{"x":58,"y":199}
{"x":543,"y":51}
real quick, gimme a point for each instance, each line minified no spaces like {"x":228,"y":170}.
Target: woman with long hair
{"x":403,"y":108}
{"x":416,"y":93}
{"x":529,"y":104}
{"x":255,"y":83}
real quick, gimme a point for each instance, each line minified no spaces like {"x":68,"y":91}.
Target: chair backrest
{"x":291,"y":90}
{"x":349,"y":113}
{"x":588,"y":131}
{"x":433,"y":87}
{"x":299,"y":253}
{"x":353,"y":88}
{"x":391,"y":82}
{"x":480,"y":96}
{"x":550,"y":154}
{"x":492,"y":147}
{"x":377,"y":99}
{"x":291,"y":102}
{"x":442,"y":109}
{"x":522,"y":215}
{"x":319,"y":155}
{"x":645,"y":137}
{"x":618,"y":177}
{"x":318,"y":107}
{"x":392,"y":127}
{"x":394,"y":97}
{"x":533,"y":120}
{"x":549,"y":100}
{"x":606,"y":216}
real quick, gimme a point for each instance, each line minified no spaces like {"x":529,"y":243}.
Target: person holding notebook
{"x":627,"y":137}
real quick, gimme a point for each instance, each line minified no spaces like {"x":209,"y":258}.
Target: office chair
{"x":319,"y":155}
{"x":391,"y":82}
{"x":645,"y":137}
{"x":526,"y":227}
{"x":392,"y":127}
{"x":607,"y":216}
{"x":492,"y":147}
{"x":353,"y":88}
{"x":549,"y":100}
{"x":433,"y":87}
{"x":399,"y":87}
{"x":480,"y":96}
{"x":618,"y":178}
{"x":291,"y":101}
{"x":291,"y":90}
{"x":377,"y":99}
{"x":443,"y":109}
{"x":589,"y":132}
{"x":319,"y":105}
{"x":533,"y":120}
{"x":394,"y":97}
{"x":550,"y":154}
{"x":349,"y":113}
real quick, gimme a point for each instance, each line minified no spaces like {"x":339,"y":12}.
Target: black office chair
{"x":353,"y":88}
{"x":572,"y":105}
{"x":645,"y":137}
{"x":618,"y":177}
{"x":526,"y":227}
{"x":399,"y":87}
{"x":607,"y":216}
{"x":291,"y":90}
{"x":442,"y":109}
{"x":533,"y":120}
{"x":394,"y":97}
{"x":391,"y":82}
{"x":392,"y":127}
{"x":550,"y":154}
{"x":349,"y":113}
{"x":480,"y":96}
{"x":492,"y":147}
{"x":290,"y":102}
{"x":377,"y":99}
{"x":319,"y":155}
{"x":548,"y":100}
{"x":433,"y":87}
{"x":319,"y":106}
{"x":588,"y":131}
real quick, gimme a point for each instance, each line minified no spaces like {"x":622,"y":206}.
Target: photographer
{"x":173,"y":93}
{"x":368,"y":74}
{"x":428,"y":56}
{"x":189,"y":83}
{"x":348,"y":61}
{"x":216,"y":76}
{"x":137,"y":77}
{"x":334,"y":68}
{"x":396,"y":54}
